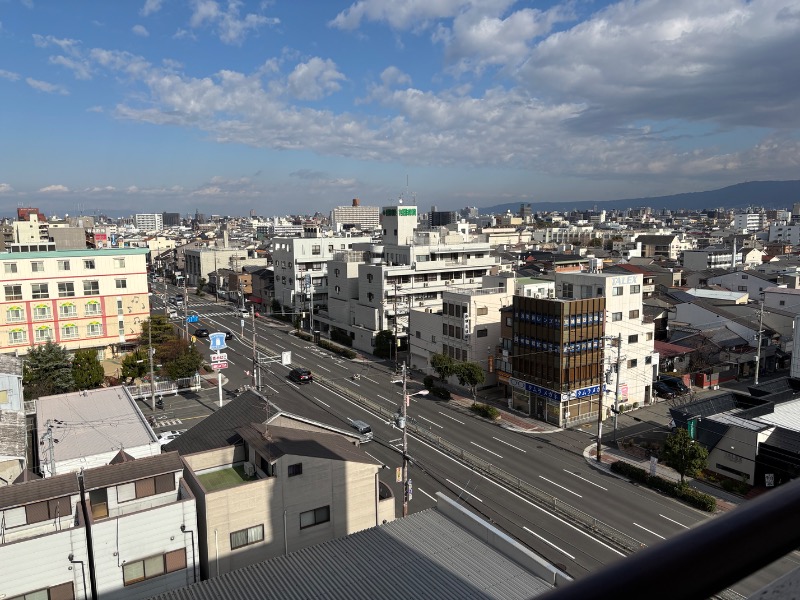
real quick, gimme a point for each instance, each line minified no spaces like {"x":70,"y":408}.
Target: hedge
{"x":427,"y":382}
{"x":441,"y":392}
{"x":671,"y":488}
{"x":484,"y":410}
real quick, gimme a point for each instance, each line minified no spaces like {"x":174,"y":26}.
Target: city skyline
{"x":282,"y":107}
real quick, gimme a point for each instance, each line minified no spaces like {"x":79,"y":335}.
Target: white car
{"x":165,"y":437}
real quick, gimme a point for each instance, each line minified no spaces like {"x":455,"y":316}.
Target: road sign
{"x":691,"y":426}
{"x":219,"y":365}
{"x":219,"y":357}
{"x":217,"y":341}
{"x":286,"y":357}
{"x":242,"y":323}
{"x":398,"y":474}
{"x":192,"y":319}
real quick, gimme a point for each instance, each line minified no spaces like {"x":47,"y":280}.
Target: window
{"x":742,"y":288}
{"x":63,"y":591}
{"x":143,"y":488}
{"x":635,"y":289}
{"x":69,"y":331}
{"x":296,"y":469}
{"x":369,"y":277}
{"x":634,"y":314}
{"x":648,"y":336}
{"x":9,"y":268}
{"x":617,"y":316}
{"x":153,"y":566}
{"x":330,"y":248}
{"x":567,"y":290}
{"x":444,"y":328}
{"x":13,"y":292}
{"x":39,"y":291}
{"x":94,"y":329}
{"x":616,"y":291}
{"x":370,"y":296}
{"x":316,"y":250}
{"x":41,"y":312}
{"x":482,"y":311}
{"x":63,"y":265}
{"x":648,"y":360}
{"x":91,"y":288}
{"x":88,"y":263}
{"x":92,"y":308}
{"x":14,"y":314}
{"x":37,"y":266}
{"x":17,"y":336}
{"x":633,"y":339}
{"x":632,"y":363}
{"x":121,"y":284}
{"x":315,"y":517}
{"x":67,"y":311}
{"x":245,"y":537}
{"x":43,"y":334}
{"x":482,"y":332}
{"x":66,"y":289}
{"x":418,"y":335}
{"x":119,"y":262}
{"x":509,"y":321}
{"x":745,"y":276}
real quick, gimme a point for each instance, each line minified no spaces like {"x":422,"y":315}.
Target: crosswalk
{"x":168,"y":422}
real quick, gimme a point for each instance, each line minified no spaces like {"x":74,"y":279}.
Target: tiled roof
{"x":36,"y":491}
{"x":149,"y":466}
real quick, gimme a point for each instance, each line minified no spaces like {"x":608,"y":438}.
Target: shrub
{"x":486,"y":411}
{"x":635,"y":405}
{"x":685,"y":493}
{"x":697,"y":499}
{"x":631,"y":472}
{"x":441,"y":392}
{"x":304,"y":336}
{"x":427,"y":382}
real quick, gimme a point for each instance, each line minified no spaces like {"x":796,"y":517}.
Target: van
{"x":363,"y":429}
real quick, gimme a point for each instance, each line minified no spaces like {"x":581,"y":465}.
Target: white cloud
{"x":403,"y":14}
{"x":43,"y":86}
{"x":54,"y":189}
{"x":150,"y":7}
{"x":140,"y":30}
{"x":231,"y":27}
{"x":315,"y":79}
{"x":5,"y":188}
{"x":27,"y":3}
{"x":100,"y":189}
{"x":79,"y":68}
{"x":67,"y":45}
{"x":10,"y":75}
{"x":95,"y":109}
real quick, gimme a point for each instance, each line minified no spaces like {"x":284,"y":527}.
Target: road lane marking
{"x":395,"y":441}
{"x":325,"y":403}
{"x":464,"y":490}
{"x":507,"y":444}
{"x":323,"y":368}
{"x":368,"y":379}
{"x":648,"y":531}
{"x":486,"y":449}
{"x":419,"y":489}
{"x":355,"y":384}
{"x":586,"y":480}
{"x":382,"y":398}
{"x":451,"y":418}
{"x":674,"y":521}
{"x":561,"y":486}
{"x":431,"y":422}
{"x":548,"y":542}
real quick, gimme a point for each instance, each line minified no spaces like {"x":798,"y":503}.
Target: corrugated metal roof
{"x":424,"y":555}
{"x":149,"y":466}
{"x":786,"y":415}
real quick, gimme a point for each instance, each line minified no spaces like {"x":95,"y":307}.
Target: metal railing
{"x":165,"y":387}
{"x":574,"y":515}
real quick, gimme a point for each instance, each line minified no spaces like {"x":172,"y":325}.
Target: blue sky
{"x":296,"y":106}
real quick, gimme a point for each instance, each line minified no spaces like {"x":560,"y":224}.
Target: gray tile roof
{"x":149,"y":466}
{"x":35,"y":491}
{"x":424,"y":555}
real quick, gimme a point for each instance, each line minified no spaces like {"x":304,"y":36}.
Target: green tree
{"x":178,"y":358}
{"x":443,"y":365}
{"x":383,"y":344}
{"x":276,"y":306}
{"x":87,"y":371}
{"x":162,"y":330}
{"x":470,"y":374}
{"x":201,"y":284}
{"x":47,"y":370}
{"x":684,"y":454}
{"x":135,"y":364}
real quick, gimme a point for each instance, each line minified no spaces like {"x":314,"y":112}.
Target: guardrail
{"x":619,"y":539}
{"x":165,"y":387}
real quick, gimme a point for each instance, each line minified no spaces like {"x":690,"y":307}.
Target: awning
{"x":255,"y":300}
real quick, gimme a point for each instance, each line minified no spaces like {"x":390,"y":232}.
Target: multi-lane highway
{"x":544,"y":461}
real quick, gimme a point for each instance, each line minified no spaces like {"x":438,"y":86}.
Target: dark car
{"x":301,"y":375}
{"x":228,"y":335}
{"x":662,"y":390}
{"x":201,"y":333}
{"x":676,"y":385}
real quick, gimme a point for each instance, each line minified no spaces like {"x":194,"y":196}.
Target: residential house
{"x":13,"y":428}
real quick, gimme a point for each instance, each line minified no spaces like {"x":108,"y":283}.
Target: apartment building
{"x":785,"y":233}
{"x":750,"y":222}
{"x":362,"y":218}
{"x":149,"y":222}
{"x":708,"y":258}
{"x":125,"y":531}
{"x":202,"y":262}
{"x":663,"y":246}
{"x":77,"y":298}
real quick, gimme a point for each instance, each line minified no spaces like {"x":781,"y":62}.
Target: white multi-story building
{"x":785,"y":233}
{"x":363,"y":218}
{"x":708,"y":258}
{"x":76,"y":298}
{"x":625,"y":322}
{"x":149,"y":222}
{"x":749,"y":222}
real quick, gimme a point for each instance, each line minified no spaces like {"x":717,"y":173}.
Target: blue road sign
{"x":192,"y":319}
{"x":217,"y":341}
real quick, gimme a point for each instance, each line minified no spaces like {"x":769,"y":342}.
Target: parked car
{"x":301,"y":375}
{"x":228,"y":335}
{"x":201,"y":333}
{"x":662,"y":390}
{"x":165,"y":437}
{"x":676,"y":385}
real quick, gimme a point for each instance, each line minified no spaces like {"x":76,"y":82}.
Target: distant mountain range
{"x":769,"y":194}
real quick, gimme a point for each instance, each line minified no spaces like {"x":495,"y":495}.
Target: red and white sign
{"x":219,"y":357}
{"x":219,"y":365}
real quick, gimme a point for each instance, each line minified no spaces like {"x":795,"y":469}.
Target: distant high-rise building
{"x":437,"y":218}
{"x":171,"y":219}
{"x":364,"y":218}
{"x":24,"y":214}
{"x":525,"y":213}
{"x":149,"y":221}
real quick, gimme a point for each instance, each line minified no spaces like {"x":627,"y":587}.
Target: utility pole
{"x":395,"y":340}
{"x":166,"y":292}
{"x":616,"y":393}
{"x":600,"y":401}
{"x":152,"y":374}
{"x":405,"y":444}
{"x":256,"y":365}
{"x":50,"y":448}
{"x":758,"y":338}
{"x":185,"y":306}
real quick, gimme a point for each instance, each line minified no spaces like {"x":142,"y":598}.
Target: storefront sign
{"x":553,"y":394}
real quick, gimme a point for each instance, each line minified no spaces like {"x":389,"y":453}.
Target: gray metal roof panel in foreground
{"x":424,"y":555}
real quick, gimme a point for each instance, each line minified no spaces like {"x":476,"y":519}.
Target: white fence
{"x":165,"y":387}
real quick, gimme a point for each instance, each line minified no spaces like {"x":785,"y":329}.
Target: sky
{"x":297,"y":106}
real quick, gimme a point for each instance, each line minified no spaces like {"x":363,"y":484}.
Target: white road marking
{"x":318,"y":366}
{"x":507,"y":444}
{"x":355,"y":384}
{"x":419,"y":489}
{"x":321,"y":402}
{"x":429,"y":421}
{"x":382,"y":398}
{"x":648,"y":531}
{"x":395,"y":441}
{"x":274,"y":391}
{"x":549,"y":543}
{"x":368,"y":379}
{"x":373,"y":458}
{"x":586,"y":480}
{"x":486,"y":449}
{"x":464,"y":490}
{"x":561,"y":486}
{"x":674,"y":521}
{"x":451,"y":418}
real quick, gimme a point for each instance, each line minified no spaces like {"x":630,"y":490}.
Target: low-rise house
{"x":12,"y":419}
